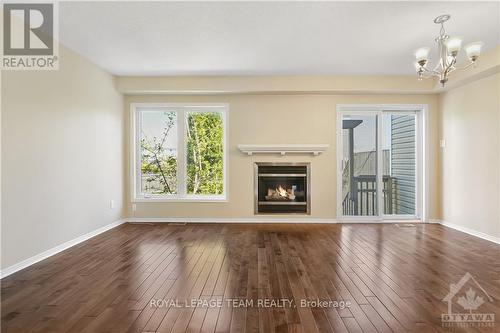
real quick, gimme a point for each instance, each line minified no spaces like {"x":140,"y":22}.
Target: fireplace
{"x":282,"y":188}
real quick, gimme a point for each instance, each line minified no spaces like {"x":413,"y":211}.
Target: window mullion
{"x":380,"y":179}
{"x":181,"y":153}
{"x":137,"y":117}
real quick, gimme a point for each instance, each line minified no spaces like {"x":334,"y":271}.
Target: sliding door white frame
{"x":420,"y":110}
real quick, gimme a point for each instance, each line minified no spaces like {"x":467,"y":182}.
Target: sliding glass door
{"x":359,"y":165}
{"x":379,"y":164}
{"x":399,"y":163}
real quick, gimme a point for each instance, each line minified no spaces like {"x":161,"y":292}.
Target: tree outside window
{"x":201,"y":147}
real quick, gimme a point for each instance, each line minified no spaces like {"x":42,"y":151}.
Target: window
{"x":180,"y":152}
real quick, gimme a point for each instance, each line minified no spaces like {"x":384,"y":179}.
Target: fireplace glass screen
{"x":282,"y":188}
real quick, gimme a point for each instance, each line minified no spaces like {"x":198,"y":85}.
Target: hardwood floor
{"x":394,"y":277}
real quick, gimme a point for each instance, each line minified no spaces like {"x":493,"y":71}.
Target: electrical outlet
{"x":134,"y":207}
{"x":111,"y":204}
{"x":442,"y":143}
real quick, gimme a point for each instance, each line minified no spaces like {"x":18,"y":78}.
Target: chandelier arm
{"x":428,"y":76}
{"x":430,"y":71}
{"x":450,"y":67}
{"x":471,"y":63}
{"x":438,"y":65}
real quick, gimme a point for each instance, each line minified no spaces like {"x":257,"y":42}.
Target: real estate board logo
{"x":30,"y":36}
{"x":469,"y":295}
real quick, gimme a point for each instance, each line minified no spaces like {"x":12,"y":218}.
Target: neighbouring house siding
{"x":403,"y":163}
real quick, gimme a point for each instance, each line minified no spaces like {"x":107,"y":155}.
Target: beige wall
{"x":283,"y":119}
{"x":470,"y":162}
{"x":62,"y":155}
{"x":257,"y":84}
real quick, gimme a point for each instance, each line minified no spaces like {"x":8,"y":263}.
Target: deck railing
{"x":364,"y":199}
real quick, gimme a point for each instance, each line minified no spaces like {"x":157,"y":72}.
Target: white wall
{"x":470,"y":162}
{"x":62,"y":155}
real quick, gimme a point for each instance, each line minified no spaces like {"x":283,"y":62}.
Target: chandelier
{"x":448,"y":48}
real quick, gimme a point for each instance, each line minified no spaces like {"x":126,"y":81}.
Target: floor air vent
{"x":405,"y":225}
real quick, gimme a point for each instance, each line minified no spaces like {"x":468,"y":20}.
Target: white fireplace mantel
{"x":283,"y":149}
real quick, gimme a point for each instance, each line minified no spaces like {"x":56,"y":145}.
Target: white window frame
{"x":182,"y":110}
{"x":421,"y":111}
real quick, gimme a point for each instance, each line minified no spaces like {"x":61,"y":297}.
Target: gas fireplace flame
{"x":280,"y":193}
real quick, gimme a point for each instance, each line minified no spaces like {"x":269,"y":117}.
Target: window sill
{"x":213,"y":199}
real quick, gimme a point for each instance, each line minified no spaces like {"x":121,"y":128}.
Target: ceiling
{"x":266,"y":38}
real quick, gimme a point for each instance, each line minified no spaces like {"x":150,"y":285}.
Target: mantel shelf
{"x":283,"y":149}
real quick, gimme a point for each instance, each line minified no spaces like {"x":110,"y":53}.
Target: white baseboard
{"x":44,"y":255}
{"x":256,"y":219}
{"x":469,"y":231}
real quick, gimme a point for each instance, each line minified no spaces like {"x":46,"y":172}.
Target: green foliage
{"x":205,"y":153}
{"x":204,"y":160}
{"x":158,"y":164}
